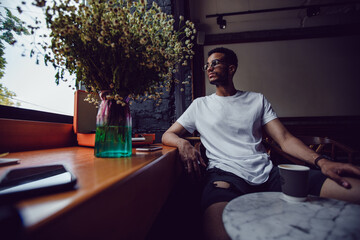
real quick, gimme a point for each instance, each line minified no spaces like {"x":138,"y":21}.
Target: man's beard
{"x":221,"y":81}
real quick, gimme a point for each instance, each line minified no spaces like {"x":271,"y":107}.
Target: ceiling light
{"x":221,"y":22}
{"x":312,"y":11}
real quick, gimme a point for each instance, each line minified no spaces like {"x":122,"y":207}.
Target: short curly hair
{"x":229,"y":55}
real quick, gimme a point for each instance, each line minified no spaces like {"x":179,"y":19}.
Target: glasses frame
{"x":213,"y":64}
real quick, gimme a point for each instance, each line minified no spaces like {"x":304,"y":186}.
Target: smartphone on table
{"x":20,"y":183}
{"x":148,"y":148}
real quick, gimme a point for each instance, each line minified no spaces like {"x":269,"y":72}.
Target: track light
{"x":221,"y":22}
{"x":313,"y":11}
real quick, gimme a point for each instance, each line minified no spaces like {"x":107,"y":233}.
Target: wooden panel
{"x":21,"y":135}
{"x":344,"y":129}
{"x":84,"y":113}
{"x":117,"y":198}
{"x":198,"y":76}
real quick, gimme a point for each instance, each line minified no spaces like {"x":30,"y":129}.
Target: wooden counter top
{"x":116,"y":198}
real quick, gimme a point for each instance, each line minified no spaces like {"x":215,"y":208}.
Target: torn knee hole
{"x":221,"y":184}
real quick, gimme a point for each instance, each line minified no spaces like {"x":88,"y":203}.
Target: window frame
{"x":8,"y":112}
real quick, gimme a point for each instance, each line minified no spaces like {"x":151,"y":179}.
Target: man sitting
{"x":230,"y":124}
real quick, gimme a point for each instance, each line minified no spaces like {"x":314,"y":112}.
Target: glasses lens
{"x":205,"y":67}
{"x":213,"y":64}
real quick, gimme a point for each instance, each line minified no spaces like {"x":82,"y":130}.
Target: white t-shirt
{"x":230,"y":130}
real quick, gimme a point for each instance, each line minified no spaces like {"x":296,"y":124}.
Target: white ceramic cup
{"x":294,"y":182}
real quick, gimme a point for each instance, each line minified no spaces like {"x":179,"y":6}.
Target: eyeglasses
{"x":213,"y":64}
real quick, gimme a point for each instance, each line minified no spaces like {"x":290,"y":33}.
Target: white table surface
{"x":266,"y":215}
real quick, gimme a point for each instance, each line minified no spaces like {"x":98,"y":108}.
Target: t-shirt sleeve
{"x":269,"y":113}
{"x":187,"y":119}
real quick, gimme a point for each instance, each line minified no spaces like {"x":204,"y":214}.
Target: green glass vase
{"x":113,"y":129}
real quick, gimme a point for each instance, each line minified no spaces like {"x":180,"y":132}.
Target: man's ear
{"x":232,"y":69}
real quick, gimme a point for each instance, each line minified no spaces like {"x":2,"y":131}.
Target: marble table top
{"x":266,"y":215}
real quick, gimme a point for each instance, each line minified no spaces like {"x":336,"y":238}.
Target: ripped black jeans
{"x":222,"y":186}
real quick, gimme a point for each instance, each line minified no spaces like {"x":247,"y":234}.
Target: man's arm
{"x":293,"y":146}
{"x":288,"y":143}
{"x":190,"y":157}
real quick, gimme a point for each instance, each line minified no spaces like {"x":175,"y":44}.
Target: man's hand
{"x":336,"y":171}
{"x":190,"y":157}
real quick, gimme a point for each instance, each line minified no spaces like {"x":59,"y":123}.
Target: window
{"x":34,"y":84}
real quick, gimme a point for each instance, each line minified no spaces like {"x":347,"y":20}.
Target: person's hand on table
{"x":336,"y":171}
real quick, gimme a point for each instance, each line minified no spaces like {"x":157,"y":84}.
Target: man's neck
{"x":225,"y":91}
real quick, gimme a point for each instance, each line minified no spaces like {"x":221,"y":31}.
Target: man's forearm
{"x":172,"y":139}
{"x":298,"y":149}
{"x":288,"y":143}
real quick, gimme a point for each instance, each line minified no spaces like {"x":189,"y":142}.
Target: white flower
{"x":143,"y":41}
